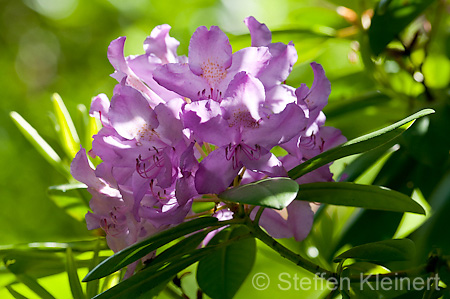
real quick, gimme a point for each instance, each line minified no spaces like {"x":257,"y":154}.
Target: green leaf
{"x":74,"y":280}
{"x":33,"y":285}
{"x":139,"y":250}
{"x":36,"y":264}
{"x":146,"y":280}
{"x":221,"y":273}
{"x":358,"y":145}
{"x":355,"y":195}
{"x":275,"y":193}
{"x":39,"y":143}
{"x":431,"y":234}
{"x":186,"y":245}
{"x":67,"y":132}
{"x":359,"y":229}
{"x":72,"y":198}
{"x":92,"y":286}
{"x":397,"y":14}
{"x":382,"y":251}
{"x":361,"y":164}
{"x":15,"y":294}
{"x":63,"y":189}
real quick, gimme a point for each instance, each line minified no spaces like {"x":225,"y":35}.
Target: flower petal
{"x":243,"y":100}
{"x":280,"y":66}
{"x":117,"y":59}
{"x":178,"y":77}
{"x":278,"y":128}
{"x":100,"y":108}
{"x":161,"y":44}
{"x":251,"y":60}
{"x":131,"y":115}
{"x":260,"y":34}
{"x":300,"y":219}
{"x":204,"y":118}
{"x":267,"y":163}
{"x":215,"y":173}
{"x":279,"y":96}
{"x":273,"y":223}
{"x":210,"y":54}
{"x":317,"y":97}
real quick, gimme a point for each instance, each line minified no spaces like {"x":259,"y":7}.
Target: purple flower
{"x":243,"y":132}
{"x":177,"y":128}
{"x":137,"y":71}
{"x":211,"y":66}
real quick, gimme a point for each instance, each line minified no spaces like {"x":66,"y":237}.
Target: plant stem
{"x":290,"y":255}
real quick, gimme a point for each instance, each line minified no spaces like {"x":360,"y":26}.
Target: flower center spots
{"x":232,"y":152}
{"x":213,"y":72}
{"x":213,"y":94}
{"x":146,"y":133}
{"x":114,"y":225}
{"x":242,"y":118}
{"x":149,"y":167}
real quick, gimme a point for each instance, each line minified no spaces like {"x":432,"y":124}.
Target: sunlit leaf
{"x":14,"y":293}
{"x":383,"y":251}
{"x":275,"y":193}
{"x":140,"y":249}
{"x":355,"y":195}
{"x":146,"y":280}
{"x":39,"y":143}
{"x":185,"y":245}
{"x":358,"y":166}
{"x":36,"y":264}
{"x":188,"y":244}
{"x":34,"y":285}
{"x":72,"y":198}
{"x":68,"y":134}
{"x":431,"y":234}
{"x":229,"y":266}
{"x":72,"y":273}
{"x":92,"y":286}
{"x":357,"y":145}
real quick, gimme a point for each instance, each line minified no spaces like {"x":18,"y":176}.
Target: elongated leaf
{"x":92,"y":286}
{"x":275,"y":193}
{"x":68,"y":134}
{"x":358,"y":166}
{"x":139,"y":250}
{"x":33,"y":285}
{"x":74,"y":280}
{"x":39,"y":143}
{"x":186,"y":245}
{"x":36,"y":264}
{"x":34,"y":249}
{"x":14,"y":293}
{"x":82,"y":123}
{"x":398,"y":14}
{"x":72,"y":198}
{"x":383,"y":251}
{"x":355,"y":195}
{"x":358,"y":145}
{"x":145,"y":281}
{"x":62,"y":189}
{"x":221,"y":273}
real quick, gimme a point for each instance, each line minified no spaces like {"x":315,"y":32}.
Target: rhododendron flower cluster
{"x":178,"y":128}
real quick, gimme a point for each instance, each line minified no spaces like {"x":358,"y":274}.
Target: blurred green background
{"x":49,"y":46}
